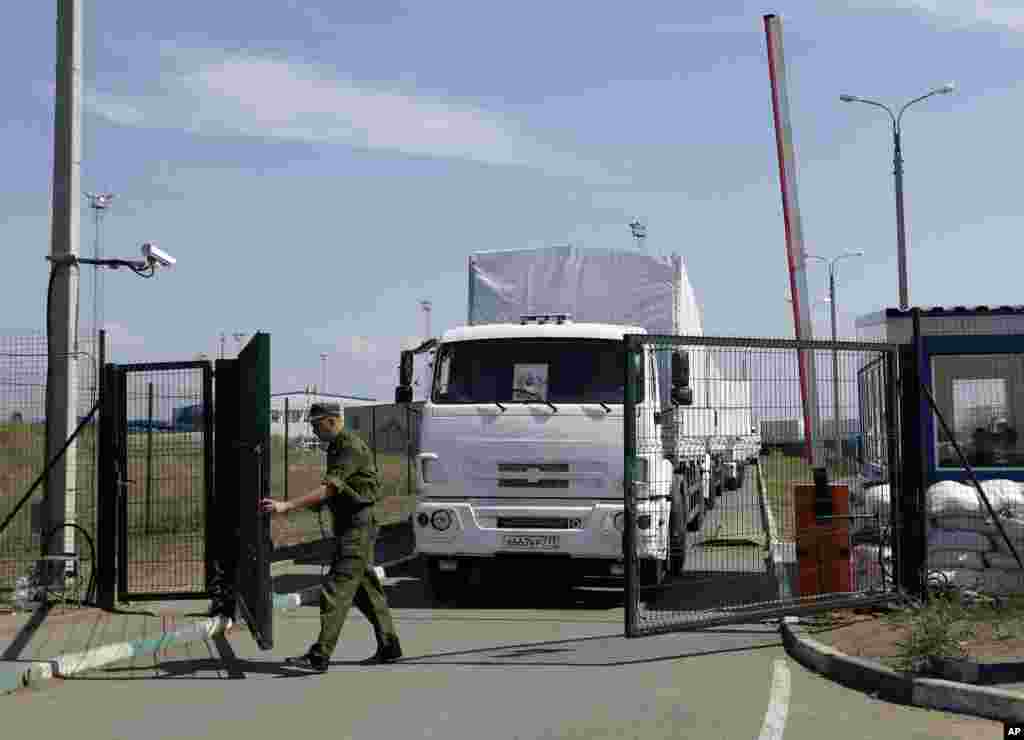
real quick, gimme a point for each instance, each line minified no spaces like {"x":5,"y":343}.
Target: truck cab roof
{"x":534,"y":330}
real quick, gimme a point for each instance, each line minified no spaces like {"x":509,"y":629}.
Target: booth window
{"x":981,"y":398}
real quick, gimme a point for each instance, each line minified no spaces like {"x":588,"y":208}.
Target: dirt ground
{"x":868,"y":634}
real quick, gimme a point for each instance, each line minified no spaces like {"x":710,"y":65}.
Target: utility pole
{"x":61,"y":380}
{"x":99,"y":202}
{"x":323,"y":372}
{"x":223,"y":338}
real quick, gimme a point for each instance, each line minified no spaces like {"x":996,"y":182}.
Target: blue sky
{"x":318,"y":168}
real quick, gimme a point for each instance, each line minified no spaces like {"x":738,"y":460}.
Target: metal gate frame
{"x":786,"y":605}
{"x":112,"y":501}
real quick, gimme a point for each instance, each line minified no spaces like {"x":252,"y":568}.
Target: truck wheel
{"x":652,"y":572}
{"x":442,"y":588}
{"x":741,"y":475}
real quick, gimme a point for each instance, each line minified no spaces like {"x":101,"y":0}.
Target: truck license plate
{"x":532,"y":541}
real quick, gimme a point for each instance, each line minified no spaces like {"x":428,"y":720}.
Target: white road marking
{"x":778,"y":703}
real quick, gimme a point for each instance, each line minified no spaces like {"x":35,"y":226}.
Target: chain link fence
{"x":23,"y":371}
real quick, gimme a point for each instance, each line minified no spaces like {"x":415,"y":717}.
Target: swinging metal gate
{"x":762,"y":542}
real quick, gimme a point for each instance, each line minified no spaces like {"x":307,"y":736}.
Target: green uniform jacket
{"x":352,"y":474}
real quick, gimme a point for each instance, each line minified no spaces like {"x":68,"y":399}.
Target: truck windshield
{"x":530,"y":371}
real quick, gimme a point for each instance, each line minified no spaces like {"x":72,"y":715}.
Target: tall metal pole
{"x":835,"y":362}
{"x":796,"y":254}
{"x":901,"y":229}
{"x":61,"y":382}
{"x":323,"y":372}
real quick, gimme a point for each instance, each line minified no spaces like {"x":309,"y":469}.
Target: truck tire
{"x":651,"y":572}
{"x":741,"y":475}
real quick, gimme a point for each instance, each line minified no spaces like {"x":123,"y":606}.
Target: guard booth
{"x":184,"y":460}
{"x":961,"y":409}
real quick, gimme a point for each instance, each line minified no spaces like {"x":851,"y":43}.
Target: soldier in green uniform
{"x":350,"y":487}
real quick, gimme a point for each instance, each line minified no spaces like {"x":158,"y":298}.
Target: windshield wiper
{"x":498,"y":404}
{"x":536,"y":396}
{"x":605,"y":406}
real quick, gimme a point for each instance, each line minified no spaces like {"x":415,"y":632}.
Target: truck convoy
{"x":522,"y":436}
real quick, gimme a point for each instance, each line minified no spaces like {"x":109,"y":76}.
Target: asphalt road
{"x":529,"y":664}
{"x":536,"y":670}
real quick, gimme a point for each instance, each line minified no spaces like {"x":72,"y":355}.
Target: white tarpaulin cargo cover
{"x":593,"y":285}
{"x":616,"y":287}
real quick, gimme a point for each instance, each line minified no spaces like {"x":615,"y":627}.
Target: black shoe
{"x":309,"y":661}
{"x":387,"y":653}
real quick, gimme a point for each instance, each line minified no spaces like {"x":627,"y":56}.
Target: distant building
{"x":297,"y":404}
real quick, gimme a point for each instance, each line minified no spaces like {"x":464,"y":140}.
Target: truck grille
{"x":526,"y":522}
{"x":528,"y":475}
{"x":541,"y":467}
{"x":524,"y":483}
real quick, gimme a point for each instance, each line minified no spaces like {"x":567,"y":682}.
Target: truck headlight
{"x":619,"y":520}
{"x":643,"y":521}
{"x":441,"y":520}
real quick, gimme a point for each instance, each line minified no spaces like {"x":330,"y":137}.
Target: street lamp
{"x":835,"y":357}
{"x":896,"y":118}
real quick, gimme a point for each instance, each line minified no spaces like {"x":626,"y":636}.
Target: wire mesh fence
{"x":23,"y":373}
{"x":168,"y":474}
{"x":391,"y":431}
{"x":727,"y":522}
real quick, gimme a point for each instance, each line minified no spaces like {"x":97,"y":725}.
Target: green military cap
{"x":321,"y":410}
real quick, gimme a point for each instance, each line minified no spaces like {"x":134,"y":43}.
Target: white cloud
{"x":291,"y":100}
{"x":960,"y":13}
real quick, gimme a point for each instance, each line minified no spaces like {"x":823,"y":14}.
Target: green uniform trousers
{"x":351,"y":580}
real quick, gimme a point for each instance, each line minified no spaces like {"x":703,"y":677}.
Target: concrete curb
{"x":884,"y":683}
{"x":34,"y":674}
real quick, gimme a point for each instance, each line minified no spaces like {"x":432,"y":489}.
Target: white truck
{"x":522,"y":436}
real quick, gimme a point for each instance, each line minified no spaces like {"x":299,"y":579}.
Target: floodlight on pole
{"x":639,"y":231}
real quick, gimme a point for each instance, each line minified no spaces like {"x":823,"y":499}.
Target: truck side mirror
{"x":681,"y":369}
{"x":403,"y":393}
{"x":682,"y":394}
{"x":405,"y":368}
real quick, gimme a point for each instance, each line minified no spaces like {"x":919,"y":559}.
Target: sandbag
{"x":967,"y":522}
{"x":958,"y":539}
{"x":955,"y":559}
{"x":1005,"y":496}
{"x":1014,"y":528}
{"x":950,"y":497}
{"x":1002,"y":560}
{"x":958,"y":577}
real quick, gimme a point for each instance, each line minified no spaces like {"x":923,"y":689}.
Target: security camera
{"x":154,"y":254}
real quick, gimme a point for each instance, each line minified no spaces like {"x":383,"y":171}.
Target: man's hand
{"x":270,"y":506}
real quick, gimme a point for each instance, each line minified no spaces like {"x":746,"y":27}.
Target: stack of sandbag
{"x":964,"y":545}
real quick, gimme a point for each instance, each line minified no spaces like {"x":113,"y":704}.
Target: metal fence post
{"x":373,"y":433}
{"x":894,"y":465}
{"x":286,"y":468}
{"x":149,"y":455}
{"x":630,"y":347}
